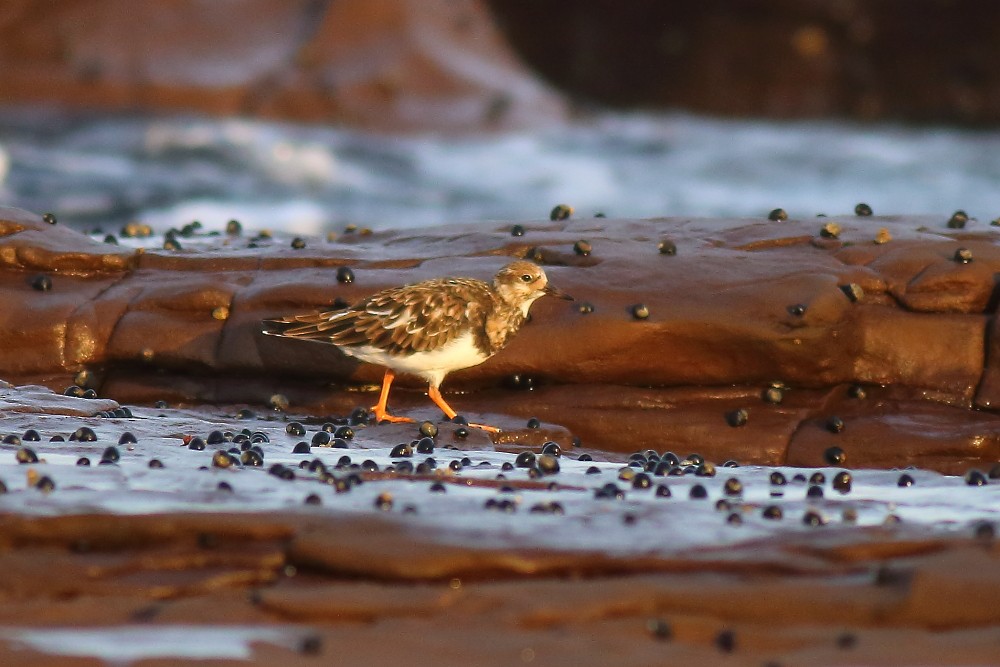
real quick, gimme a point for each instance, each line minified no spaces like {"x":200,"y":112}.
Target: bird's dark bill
{"x":555,"y":291}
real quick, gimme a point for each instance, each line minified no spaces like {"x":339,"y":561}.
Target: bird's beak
{"x":555,"y":291}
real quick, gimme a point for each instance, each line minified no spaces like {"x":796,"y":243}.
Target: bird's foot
{"x":485,"y":427}
{"x":380,"y":415}
{"x":461,"y":421}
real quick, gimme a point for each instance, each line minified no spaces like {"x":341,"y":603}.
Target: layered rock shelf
{"x":764,"y":341}
{"x":182,"y":536}
{"x":788,"y":391}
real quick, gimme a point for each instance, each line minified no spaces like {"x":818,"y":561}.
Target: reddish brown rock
{"x":742,"y":304}
{"x":116,"y":557}
{"x":956,"y":588}
{"x":364,"y":602}
{"x":885,"y":432}
{"x":931,"y":608}
{"x":457,"y":65}
{"x":370,"y":63}
{"x":988,"y":394}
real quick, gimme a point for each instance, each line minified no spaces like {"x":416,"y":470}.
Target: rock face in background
{"x":432,"y":64}
{"x":884,"y":307}
{"x":385,"y":64}
{"x":923,"y":60}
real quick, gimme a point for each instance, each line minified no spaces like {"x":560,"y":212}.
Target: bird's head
{"x":521,"y":282}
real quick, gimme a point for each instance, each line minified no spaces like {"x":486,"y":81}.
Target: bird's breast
{"x":500,"y":327}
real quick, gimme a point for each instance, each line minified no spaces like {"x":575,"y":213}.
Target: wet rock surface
{"x":771,"y":435}
{"x":474,"y":559}
{"x":769,"y":319}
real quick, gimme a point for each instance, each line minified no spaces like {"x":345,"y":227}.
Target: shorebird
{"x":427,"y":329}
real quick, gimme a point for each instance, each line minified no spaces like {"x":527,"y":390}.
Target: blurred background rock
{"x":472,"y":64}
{"x":310,"y":115}
{"x":919,"y":60}
{"x":388,"y":64}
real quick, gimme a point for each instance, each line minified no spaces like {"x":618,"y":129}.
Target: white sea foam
{"x":130,"y":643}
{"x":4,"y":165}
{"x":110,"y":170}
{"x":297,"y":216}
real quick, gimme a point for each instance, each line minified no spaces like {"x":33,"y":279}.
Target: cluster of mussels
{"x":138,"y":230}
{"x":348,"y":473}
{"x":643,"y":467}
{"x":644,"y":475}
{"x":195,"y":230}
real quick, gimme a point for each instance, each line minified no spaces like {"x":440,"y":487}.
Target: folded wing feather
{"x":416,"y":318}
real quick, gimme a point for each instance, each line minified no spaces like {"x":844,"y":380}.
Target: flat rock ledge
{"x":282,"y":580}
{"x":873,"y":334}
{"x":176,"y":516}
{"x":161,"y":536}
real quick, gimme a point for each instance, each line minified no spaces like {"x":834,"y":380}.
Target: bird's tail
{"x":311,"y":326}
{"x":278,"y":327}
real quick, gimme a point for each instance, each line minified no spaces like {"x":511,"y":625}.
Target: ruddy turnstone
{"x":427,"y":329}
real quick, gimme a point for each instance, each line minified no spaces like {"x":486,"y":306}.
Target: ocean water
{"x":103,"y":171}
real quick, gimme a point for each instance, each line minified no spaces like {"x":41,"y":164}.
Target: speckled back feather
{"x":421,"y":317}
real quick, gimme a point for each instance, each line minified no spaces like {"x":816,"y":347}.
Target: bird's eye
{"x":526,"y":278}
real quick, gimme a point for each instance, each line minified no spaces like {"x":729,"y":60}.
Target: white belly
{"x":431,"y":366}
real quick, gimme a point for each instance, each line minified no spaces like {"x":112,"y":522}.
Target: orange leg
{"x":379,"y":410}
{"x":435,"y":395}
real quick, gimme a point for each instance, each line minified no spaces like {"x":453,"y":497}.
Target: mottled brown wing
{"x":415,"y":318}
{"x":304,"y":326}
